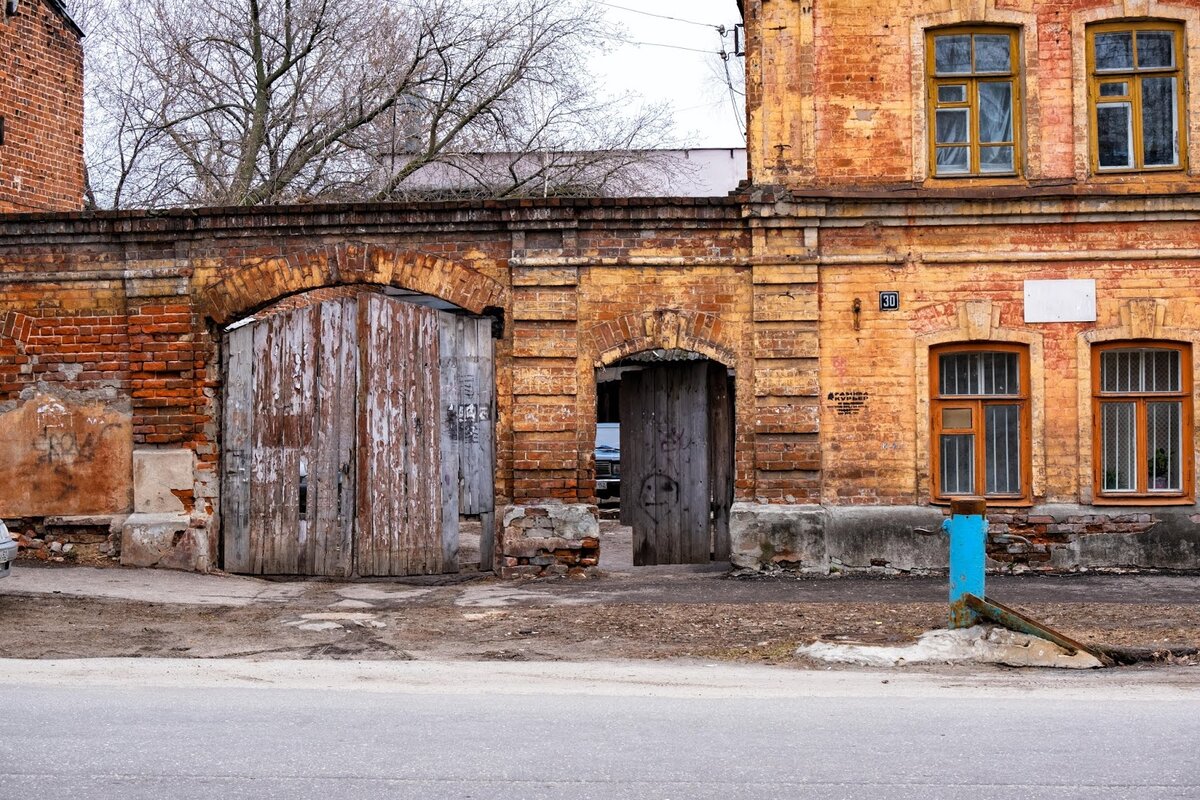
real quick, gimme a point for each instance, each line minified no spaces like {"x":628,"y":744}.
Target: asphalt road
{"x":143,"y":729}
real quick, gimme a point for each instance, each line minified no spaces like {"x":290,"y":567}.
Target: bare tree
{"x":245,"y":102}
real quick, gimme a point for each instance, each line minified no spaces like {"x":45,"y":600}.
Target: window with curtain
{"x":1136,"y":94}
{"x":974,"y":104}
{"x":980,"y":414}
{"x":1143,"y":420}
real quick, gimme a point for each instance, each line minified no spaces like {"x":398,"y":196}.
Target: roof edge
{"x":60,"y":8}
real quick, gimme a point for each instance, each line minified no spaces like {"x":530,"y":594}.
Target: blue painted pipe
{"x":967,"y":528}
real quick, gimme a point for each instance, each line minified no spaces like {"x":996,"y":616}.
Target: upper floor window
{"x":1135,"y":90}
{"x":972,"y":81}
{"x":1143,"y":417}
{"x":980,"y":416}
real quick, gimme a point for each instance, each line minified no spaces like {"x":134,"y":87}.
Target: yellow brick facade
{"x":833,"y":441}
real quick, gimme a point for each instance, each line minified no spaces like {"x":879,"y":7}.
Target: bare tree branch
{"x":269,"y":101}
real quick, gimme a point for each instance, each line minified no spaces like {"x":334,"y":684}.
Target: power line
{"x":659,"y":16}
{"x":672,"y":46}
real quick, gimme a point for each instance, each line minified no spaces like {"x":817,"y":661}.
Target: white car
{"x":8,"y":551}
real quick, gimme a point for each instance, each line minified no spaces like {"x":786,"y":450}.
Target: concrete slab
{"x":159,"y":478}
{"x":148,"y":586}
{"x":981,"y":644}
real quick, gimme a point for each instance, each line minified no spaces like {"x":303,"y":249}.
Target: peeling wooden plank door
{"x":399,"y":530}
{"x":468,"y":405}
{"x":448,"y":431}
{"x":720,"y":455}
{"x":235,"y":456}
{"x":290,"y":385}
{"x":331,"y":483}
{"x":335,"y":440}
{"x":665,"y":443}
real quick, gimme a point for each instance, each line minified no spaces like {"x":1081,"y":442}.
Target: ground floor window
{"x":1143,"y":420}
{"x":980,"y":417}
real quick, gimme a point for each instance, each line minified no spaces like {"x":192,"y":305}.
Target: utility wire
{"x":671,"y":46}
{"x":659,"y":16}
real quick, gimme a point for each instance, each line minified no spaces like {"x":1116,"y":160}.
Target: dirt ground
{"x":626,"y":613}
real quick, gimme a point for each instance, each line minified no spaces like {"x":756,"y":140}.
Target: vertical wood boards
{"x":330,"y":506}
{"x":289,"y":378}
{"x":235,"y":494}
{"x":399,"y":530}
{"x":448,"y":371}
{"x":356,"y":431}
{"x":720,"y":456}
{"x":675,"y":463}
{"x":688,"y":449}
{"x":468,"y":419}
{"x":636,"y":416}
{"x":477,"y":398}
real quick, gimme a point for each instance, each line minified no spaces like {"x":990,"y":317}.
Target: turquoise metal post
{"x":967,"y":527}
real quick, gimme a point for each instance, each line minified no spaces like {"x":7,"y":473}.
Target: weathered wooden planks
{"x":238,"y":419}
{"x":399,"y":529}
{"x":720,"y":456}
{"x":448,"y":433}
{"x":287,"y":377}
{"x":666,"y":474}
{"x":468,"y":420}
{"x":330,"y":504}
{"x":336,"y":435}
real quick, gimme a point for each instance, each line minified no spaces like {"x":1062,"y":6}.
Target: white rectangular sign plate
{"x":1060,"y":301}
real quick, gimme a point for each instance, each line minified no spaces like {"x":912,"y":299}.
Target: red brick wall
{"x":41,"y":100}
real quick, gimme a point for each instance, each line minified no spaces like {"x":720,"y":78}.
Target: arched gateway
{"x":358,"y":426}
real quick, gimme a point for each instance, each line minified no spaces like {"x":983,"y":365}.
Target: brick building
{"x":964,"y":263}
{"x":41,"y":108}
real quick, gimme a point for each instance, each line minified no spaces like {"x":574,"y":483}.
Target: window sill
{"x":1144,"y":500}
{"x":1125,"y":172}
{"x":1000,"y":178}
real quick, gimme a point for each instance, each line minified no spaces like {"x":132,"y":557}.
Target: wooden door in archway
{"x":677,"y":461}
{"x":343,"y":447}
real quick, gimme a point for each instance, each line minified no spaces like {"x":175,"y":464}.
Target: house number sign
{"x":889,"y":301}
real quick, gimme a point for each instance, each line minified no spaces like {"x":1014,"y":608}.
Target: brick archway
{"x":264,"y":281}
{"x":662,"y":329}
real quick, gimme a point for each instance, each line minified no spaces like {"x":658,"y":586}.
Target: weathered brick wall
{"x":130,"y":308}
{"x":964,"y":288}
{"x":41,"y":100}
{"x":836,"y":93}
{"x":126,"y":311}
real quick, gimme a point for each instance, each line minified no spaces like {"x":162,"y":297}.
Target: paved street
{"x":235,"y":729}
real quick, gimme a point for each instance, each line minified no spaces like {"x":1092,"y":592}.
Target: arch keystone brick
{"x":661,"y":329}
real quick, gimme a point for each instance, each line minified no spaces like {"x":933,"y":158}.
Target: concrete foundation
{"x":161,"y":540}
{"x":1061,"y":538}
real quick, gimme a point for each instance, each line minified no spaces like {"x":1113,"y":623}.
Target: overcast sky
{"x":692,"y":81}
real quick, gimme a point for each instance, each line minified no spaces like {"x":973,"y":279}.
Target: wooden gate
{"x":338,"y":454}
{"x":676,"y":462}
